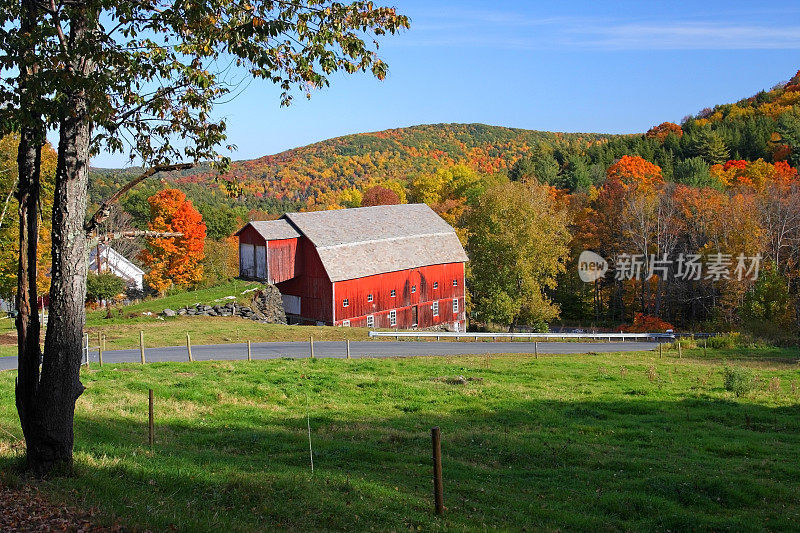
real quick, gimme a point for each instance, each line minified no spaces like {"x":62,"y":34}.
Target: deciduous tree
{"x":518,"y":243}
{"x":378,"y":195}
{"x":137,"y":77}
{"x":663,"y":130}
{"x":174,"y":261}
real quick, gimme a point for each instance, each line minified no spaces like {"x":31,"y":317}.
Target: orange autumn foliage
{"x":174,"y":261}
{"x":634,"y":171}
{"x":662,"y":131}
{"x":756,"y":175}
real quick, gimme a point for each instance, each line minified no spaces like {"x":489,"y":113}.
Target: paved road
{"x":274,"y":350}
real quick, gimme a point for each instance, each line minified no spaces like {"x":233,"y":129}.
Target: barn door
{"x":414,"y":316}
{"x":246,"y":260}
{"x":261,"y":262}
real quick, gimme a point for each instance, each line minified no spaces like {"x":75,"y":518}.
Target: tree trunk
{"x":28,"y":334}
{"x":60,"y":384}
{"x":50,"y":439}
{"x":29,"y":152}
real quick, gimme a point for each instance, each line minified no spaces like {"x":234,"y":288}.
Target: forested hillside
{"x":313,"y":176}
{"x":722,"y":184}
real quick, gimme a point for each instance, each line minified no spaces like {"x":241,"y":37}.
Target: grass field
{"x":592,"y":442}
{"x":122,"y":329}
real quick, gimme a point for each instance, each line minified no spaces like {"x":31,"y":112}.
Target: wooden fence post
{"x":536,"y":349}
{"x":141,"y":344}
{"x":100,"y":348}
{"x":249,"y":351}
{"x":151,"y":429}
{"x":438,"y":491}
{"x":705,"y":344}
{"x":311,"y":345}
{"x":660,"y":349}
{"x":189,"y":347}
{"x":680,"y":351}
{"x":348,"y":348}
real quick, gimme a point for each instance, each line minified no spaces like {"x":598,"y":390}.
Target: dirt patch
{"x":24,"y":509}
{"x":9,"y":338}
{"x":458,"y":380}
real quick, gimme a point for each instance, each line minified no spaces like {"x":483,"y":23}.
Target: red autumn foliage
{"x":647,"y":324}
{"x":378,"y":195}
{"x":734,"y":163}
{"x":174,"y":260}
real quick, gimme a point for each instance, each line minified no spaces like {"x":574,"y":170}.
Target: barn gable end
{"x":268,"y":251}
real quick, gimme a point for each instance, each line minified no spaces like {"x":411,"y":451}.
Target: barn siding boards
{"x":283,"y":260}
{"x":357,"y":293}
{"x":311,"y":285}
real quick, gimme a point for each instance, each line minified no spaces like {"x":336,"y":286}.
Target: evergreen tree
{"x":694,"y":172}
{"x":710,"y":147}
{"x":789,"y":129}
{"x":577,"y":175}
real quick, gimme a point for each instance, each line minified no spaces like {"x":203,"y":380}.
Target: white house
{"x":114,"y":262}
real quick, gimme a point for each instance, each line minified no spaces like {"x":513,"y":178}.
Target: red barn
{"x":381,"y":267}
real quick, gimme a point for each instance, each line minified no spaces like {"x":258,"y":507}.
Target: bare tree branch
{"x":132,"y":234}
{"x":105,"y":208}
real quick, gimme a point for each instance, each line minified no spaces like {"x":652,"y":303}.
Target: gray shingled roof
{"x":353,"y":243}
{"x":273,"y":229}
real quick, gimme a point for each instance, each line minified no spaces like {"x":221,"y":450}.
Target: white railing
{"x":530,"y":336}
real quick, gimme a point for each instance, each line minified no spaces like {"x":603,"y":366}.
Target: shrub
{"x":103,"y":286}
{"x":725,"y":342}
{"x":739,"y":380}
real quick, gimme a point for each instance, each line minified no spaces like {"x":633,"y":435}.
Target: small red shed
{"x":384,"y":267}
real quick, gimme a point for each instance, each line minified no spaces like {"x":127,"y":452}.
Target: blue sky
{"x":615,"y":67}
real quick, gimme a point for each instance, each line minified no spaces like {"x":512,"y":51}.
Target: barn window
{"x":346,"y":323}
{"x":455,"y":305}
{"x":413,"y":289}
{"x":345,"y":302}
{"x":393,"y":293}
{"x":455,"y":283}
{"x":435,"y":284}
{"x":369,"y":297}
{"x":435,"y":308}
{"x":370,"y":321}
{"x":392,"y":317}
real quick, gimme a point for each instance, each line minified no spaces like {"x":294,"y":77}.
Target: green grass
{"x":213,"y":330}
{"x":590,"y":442}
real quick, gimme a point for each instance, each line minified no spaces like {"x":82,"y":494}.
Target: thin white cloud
{"x":687,"y":36}
{"x":507,"y":30}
